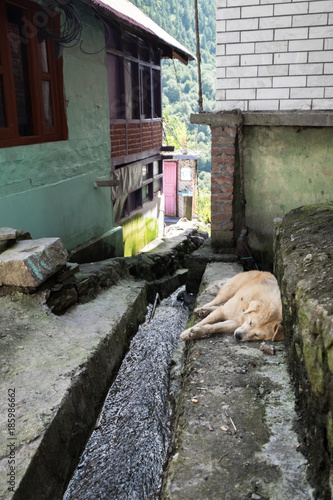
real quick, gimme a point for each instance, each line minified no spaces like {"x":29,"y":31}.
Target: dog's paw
{"x":201,"y":312}
{"x":190,"y":333}
{"x":186,"y":334}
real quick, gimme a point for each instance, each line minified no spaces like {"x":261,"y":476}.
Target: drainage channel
{"x":126,"y":453}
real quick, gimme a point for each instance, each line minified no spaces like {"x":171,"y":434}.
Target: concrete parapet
{"x":304,"y":268}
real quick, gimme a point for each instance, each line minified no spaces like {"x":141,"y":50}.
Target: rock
{"x":28,"y":263}
{"x":7,"y":233}
{"x":61,"y":300}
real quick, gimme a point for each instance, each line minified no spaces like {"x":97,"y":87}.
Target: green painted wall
{"x":283,"y":169}
{"x":47,"y":189}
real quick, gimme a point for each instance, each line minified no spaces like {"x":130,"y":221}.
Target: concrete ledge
{"x":105,"y":246}
{"x":304,"y":268}
{"x":55,"y":373}
{"x":235,"y":435}
{"x":273,"y":119}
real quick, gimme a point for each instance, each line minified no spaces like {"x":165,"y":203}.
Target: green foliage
{"x":175,"y":129}
{"x":180,"y":82}
{"x":203,"y":197}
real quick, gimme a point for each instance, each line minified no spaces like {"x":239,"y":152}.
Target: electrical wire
{"x":70,"y":29}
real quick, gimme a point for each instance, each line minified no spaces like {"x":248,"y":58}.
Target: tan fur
{"x":251,"y":309}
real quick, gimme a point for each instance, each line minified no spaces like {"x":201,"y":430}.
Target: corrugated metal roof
{"x":130,"y":14}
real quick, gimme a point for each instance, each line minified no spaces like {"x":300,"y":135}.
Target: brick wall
{"x":274,"y":55}
{"x":118,"y":140}
{"x":132,"y":138}
{"x":157,"y":134}
{"x":222,"y":184}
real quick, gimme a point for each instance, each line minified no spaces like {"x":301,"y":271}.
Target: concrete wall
{"x":274,"y":56}
{"x":303,"y":266}
{"x":143,"y":226}
{"x":284,"y":168}
{"x":47,"y":189}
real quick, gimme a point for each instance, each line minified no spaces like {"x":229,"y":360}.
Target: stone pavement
{"x":235,"y":438}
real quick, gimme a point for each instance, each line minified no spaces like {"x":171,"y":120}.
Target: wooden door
{"x":170,"y":187}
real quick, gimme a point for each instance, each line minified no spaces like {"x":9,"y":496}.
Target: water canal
{"x":126,"y":453}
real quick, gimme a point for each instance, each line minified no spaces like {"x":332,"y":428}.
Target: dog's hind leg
{"x":200,"y":330}
{"x":227,"y":291}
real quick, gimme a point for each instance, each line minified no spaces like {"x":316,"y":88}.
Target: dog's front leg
{"x":203,"y":311}
{"x":214,"y":317}
{"x":205,"y":330}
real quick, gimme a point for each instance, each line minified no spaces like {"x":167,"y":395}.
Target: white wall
{"x":274,"y":55}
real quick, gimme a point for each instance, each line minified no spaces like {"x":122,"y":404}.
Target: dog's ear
{"x":278,"y":332}
{"x":253,"y":307}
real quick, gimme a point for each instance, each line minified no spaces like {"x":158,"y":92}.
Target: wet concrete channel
{"x":127,"y":451}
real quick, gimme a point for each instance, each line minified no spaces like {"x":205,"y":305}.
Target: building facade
{"x":80,"y":121}
{"x":272,"y":129}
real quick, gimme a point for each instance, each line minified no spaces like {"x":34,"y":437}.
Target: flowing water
{"x":125,"y":455}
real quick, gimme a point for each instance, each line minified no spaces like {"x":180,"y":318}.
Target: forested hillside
{"x":180,"y":82}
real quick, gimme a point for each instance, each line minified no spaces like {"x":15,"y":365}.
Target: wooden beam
{"x":106,"y":183}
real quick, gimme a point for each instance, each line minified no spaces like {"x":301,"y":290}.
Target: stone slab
{"x":29,"y":263}
{"x":236,"y":434}
{"x":7,"y":233}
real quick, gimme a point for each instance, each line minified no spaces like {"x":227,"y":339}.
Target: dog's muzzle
{"x":237,"y":335}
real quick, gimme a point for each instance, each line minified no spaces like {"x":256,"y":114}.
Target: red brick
{"x":222,"y":225}
{"x":227,"y":181}
{"x":221,"y":217}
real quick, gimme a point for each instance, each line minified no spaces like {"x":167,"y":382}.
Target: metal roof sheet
{"x":130,"y":14}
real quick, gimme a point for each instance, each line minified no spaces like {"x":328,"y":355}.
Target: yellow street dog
{"x":251,"y":309}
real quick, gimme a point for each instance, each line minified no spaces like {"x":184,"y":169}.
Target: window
{"x":152,"y":175}
{"x":134,"y":78}
{"x":150,"y":186}
{"x":31,"y":87}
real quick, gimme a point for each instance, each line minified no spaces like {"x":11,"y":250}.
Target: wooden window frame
{"x":144,"y":66}
{"x":9,"y":134}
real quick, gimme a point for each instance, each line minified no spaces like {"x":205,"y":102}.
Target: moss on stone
{"x":330,"y":432}
{"x":138,"y":231}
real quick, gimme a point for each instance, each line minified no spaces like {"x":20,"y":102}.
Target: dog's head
{"x":259,"y":324}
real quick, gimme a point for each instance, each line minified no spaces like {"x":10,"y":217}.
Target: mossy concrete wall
{"x":143,"y":227}
{"x":284,"y":168}
{"x":304,"y":269}
{"x":138,"y":231}
{"x":47,"y":189}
